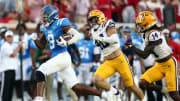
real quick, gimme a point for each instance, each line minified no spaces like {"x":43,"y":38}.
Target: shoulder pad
{"x":153,"y":35}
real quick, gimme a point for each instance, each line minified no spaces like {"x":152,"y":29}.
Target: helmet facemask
{"x":139,"y":28}
{"x":93,"y":22}
{"x":47,"y":17}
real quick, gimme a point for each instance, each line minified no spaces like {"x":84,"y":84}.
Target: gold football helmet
{"x":96,"y":17}
{"x":145,"y":21}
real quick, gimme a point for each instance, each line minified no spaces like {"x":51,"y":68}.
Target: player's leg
{"x":58,"y":63}
{"x":104,"y":71}
{"x":151,"y":75}
{"x":69,"y":77}
{"x":84,"y":73}
{"x":172,"y":79}
{"x":7,"y":85}
{"x":49,"y":87}
{"x":59,"y":87}
{"x":123,"y":68}
{"x":67,"y":90}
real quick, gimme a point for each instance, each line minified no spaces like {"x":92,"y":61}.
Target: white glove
{"x":34,"y":36}
{"x":96,"y":36}
{"x":62,"y":43}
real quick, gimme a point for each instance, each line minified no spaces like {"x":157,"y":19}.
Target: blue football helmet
{"x":49,"y":14}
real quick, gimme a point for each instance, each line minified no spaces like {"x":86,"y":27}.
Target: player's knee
{"x":175,"y":96}
{"x":97,"y":79}
{"x":143,"y":84}
{"x":40,"y":76}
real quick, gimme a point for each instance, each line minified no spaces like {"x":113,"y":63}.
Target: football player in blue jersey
{"x":89,"y":53}
{"x":28,"y":63}
{"x":53,"y":30}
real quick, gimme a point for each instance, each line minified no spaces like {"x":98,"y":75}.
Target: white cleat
{"x":109,"y":96}
{"x":38,"y":98}
{"x":118,"y":96}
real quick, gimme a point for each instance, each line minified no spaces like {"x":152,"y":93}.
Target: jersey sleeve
{"x":64,"y":22}
{"x":154,"y":36}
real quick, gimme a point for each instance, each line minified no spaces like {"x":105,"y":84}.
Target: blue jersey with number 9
{"x":53,"y":32}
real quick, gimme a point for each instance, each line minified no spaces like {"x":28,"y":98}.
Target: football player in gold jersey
{"x":104,"y":33}
{"x":155,"y":44}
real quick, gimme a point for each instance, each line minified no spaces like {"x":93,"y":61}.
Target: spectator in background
{"x":175,"y":46}
{"x":105,"y":7}
{"x":177,"y":10}
{"x":94,"y":5}
{"x":66,"y":8}
{"x":29,"y":63}
{"x":122,"y":43}
{"x":81,"y":11}
{"x":9,"y":64}
{"x":155,"y":6}
{"x":56,"y":3}
{"x":169,"y":15}
{"x":35,"y":7}
{"x":115,"y":10}
{"x":2,"y":35}
{"x":2,"y":41}
{"x":175,"y":36}
{"x":139,"y":8}
{"x":129,"y":11}
{"x":7,"y":7}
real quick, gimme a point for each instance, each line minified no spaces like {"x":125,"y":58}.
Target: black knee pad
{"x":40,"y":76}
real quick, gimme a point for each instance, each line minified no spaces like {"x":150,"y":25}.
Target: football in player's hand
{"x":66,"y":37}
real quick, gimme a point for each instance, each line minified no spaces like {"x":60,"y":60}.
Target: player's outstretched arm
{"x":41,"y":43}
{"x":76,"y":36}
{"x":147,"y":50}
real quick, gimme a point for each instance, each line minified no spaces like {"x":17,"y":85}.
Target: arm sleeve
{"x":76,"y":36}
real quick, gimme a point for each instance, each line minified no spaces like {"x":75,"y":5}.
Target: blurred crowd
{"x":85,"y":58}
{"x":77,"y":10}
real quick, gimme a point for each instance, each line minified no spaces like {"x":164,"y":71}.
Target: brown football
{"x":66,"y":37}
